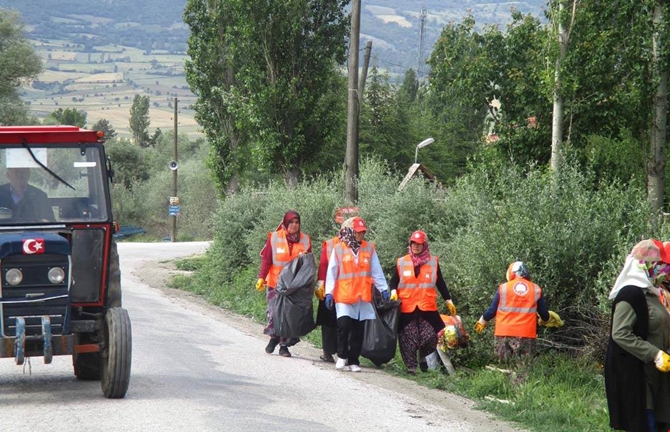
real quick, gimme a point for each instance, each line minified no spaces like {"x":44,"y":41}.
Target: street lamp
{"x":422,"y":144}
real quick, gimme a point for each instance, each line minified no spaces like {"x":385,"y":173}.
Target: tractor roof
{"x":47,"y":135}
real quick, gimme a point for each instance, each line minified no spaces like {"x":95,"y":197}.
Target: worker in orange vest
{"x":353,"y":268}
{"x":282,"y":245}
{"x":325,"y":317}
{"x":515,"y":306}
{"x":418,"y":279}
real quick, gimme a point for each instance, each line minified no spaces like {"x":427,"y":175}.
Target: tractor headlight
{"x":56,"y":275}
{"x":14,"y":276}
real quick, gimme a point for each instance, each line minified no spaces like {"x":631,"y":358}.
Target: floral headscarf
{"x":645,"y":267}
{"x":422,"y":258}
{"x":346,"y":236}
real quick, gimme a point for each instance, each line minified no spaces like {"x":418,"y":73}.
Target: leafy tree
{"x":471,"y":70}
{"x":67,"y":116}
{"x":128,"y":162}
{"x":278,"y":61}
{"x":409,"y":89}
{"x":139,"y":120}
{"x":154,"y":138}
{"x":384,"y":126}
{"x":19,"y":64}
{"x":460,"y":81}
{"x":105,"y":126}
{"x":618,"y":80}
{"x":210,"y":73}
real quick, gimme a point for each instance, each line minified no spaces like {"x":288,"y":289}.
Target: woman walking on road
{"x":418,"y":279}
{"x":353,"y":268}
{"x":325,"y":317}
{"x":282,"y":245}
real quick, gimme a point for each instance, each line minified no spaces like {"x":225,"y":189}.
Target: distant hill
{"x":98,"y":54}
{"x":394,"y":26}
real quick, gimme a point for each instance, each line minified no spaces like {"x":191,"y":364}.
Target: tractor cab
{"x":60,"y":283}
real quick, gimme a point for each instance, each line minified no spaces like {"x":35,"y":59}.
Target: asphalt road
{"x":198,"y":368}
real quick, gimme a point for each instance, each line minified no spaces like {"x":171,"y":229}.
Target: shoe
{"x":411,"y":371}
{"x":270,"y":348}
{"x":341,"y":364}
{"x":328,"y":358}
{"x":284,"y":352}
{"x":355,"y":368}
{"x":423,"y":366}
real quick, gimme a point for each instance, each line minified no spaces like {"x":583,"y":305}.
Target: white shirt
{"x":360,"y":310}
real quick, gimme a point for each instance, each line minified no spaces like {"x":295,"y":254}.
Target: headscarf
{"x":422,"y":258}
{"x":290,"y":215}
{"x":346,"y":236}
{"x":643,"y":268}
{"x":349,"y":223}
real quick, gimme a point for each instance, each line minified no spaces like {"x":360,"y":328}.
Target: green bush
{"x":574,"y":237}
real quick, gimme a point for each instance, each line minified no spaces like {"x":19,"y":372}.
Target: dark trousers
{"x":328,"y":322}
{"x":329,"y":339}
{"x":350,"y":339}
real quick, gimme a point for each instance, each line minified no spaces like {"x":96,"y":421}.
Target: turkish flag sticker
{"x":33,"y":246}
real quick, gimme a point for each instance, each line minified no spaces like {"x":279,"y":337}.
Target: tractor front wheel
{"x":117,"y":353}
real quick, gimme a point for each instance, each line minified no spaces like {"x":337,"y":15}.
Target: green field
{"x":104,"y":82}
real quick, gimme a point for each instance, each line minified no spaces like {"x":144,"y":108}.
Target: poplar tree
{"x":139,"y":120}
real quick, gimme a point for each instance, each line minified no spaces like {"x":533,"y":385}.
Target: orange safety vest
{"x":417,"y":291}
{"x":516,"y":315}
{"x":281,"y":255}
{"x":329,"y":245}
{"x":354,"y":281}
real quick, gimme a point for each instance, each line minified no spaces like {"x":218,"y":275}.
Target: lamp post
{"x":422,"y":144}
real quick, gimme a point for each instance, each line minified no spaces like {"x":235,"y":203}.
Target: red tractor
{"x":60,"y":283}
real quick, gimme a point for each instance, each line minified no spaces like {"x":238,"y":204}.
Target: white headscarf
{"x":632,"y":274}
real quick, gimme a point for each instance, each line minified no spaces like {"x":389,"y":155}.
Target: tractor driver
{"x":25,"y":201}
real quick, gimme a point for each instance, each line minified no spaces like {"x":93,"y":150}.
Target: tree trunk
{"x":656,"y":166}
{"x":557,"y":117}
{"x":291,"y":177}
{"x":233,"y":185}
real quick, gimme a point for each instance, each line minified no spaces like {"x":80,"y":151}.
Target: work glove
{"x":394,"y":295}
{"x":480,"y":325}
{"x":385,"y":294}
{"x":330,"y":302}
{"x":662,"y":361}
{"x":452,"y":308}
{"x":554,"y":320}
{"x":320,"y":291}
{"x":260,"y":284}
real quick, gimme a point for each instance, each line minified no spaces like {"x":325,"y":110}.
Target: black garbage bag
{"x":381,"y":334}
{"x":293,"y":309}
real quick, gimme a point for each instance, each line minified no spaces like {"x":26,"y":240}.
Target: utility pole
{"x":351,"y":159}
{"x":422,"y":37}
{"x":174,"y":176}
{"x":364,"y":74}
